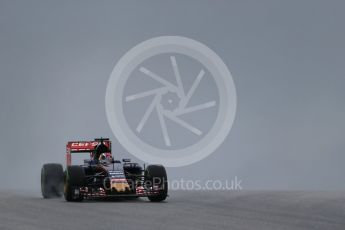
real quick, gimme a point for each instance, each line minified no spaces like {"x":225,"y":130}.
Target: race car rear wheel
{"x":74,"y":180}
{"x":51,"y":180}
{"x":156,"y":177}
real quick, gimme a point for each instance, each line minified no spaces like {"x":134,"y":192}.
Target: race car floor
{"x":182,"y":210}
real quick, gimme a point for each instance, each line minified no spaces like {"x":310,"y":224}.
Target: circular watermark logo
{"x":170,"y":100}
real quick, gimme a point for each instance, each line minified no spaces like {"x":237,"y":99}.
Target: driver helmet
{"x":105,"y":156}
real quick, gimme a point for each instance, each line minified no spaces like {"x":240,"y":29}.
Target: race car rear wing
{"x":84,"y":147}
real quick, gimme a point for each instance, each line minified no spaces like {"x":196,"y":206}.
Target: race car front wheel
{"x":156,"y":182}
{"x":74,"y":180}
{"x":51,"y":180}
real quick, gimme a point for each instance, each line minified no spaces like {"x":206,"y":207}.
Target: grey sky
{"x":286,"y":57}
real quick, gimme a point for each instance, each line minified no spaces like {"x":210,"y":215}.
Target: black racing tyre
{"x":52,"y":180}
{"x":74,"y":179}
{"x":155,"y":175}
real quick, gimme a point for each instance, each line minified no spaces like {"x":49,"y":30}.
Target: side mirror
{"x":115,"y":161}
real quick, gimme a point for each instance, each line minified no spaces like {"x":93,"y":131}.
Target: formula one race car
{"x":102,"y":176}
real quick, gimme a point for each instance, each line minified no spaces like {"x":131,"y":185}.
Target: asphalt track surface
{"x":183,"y":210}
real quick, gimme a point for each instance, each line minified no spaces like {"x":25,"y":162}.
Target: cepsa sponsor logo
{"x":84,"y":144}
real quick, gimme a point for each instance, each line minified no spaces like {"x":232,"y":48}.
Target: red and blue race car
{"x":102,"y":176}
